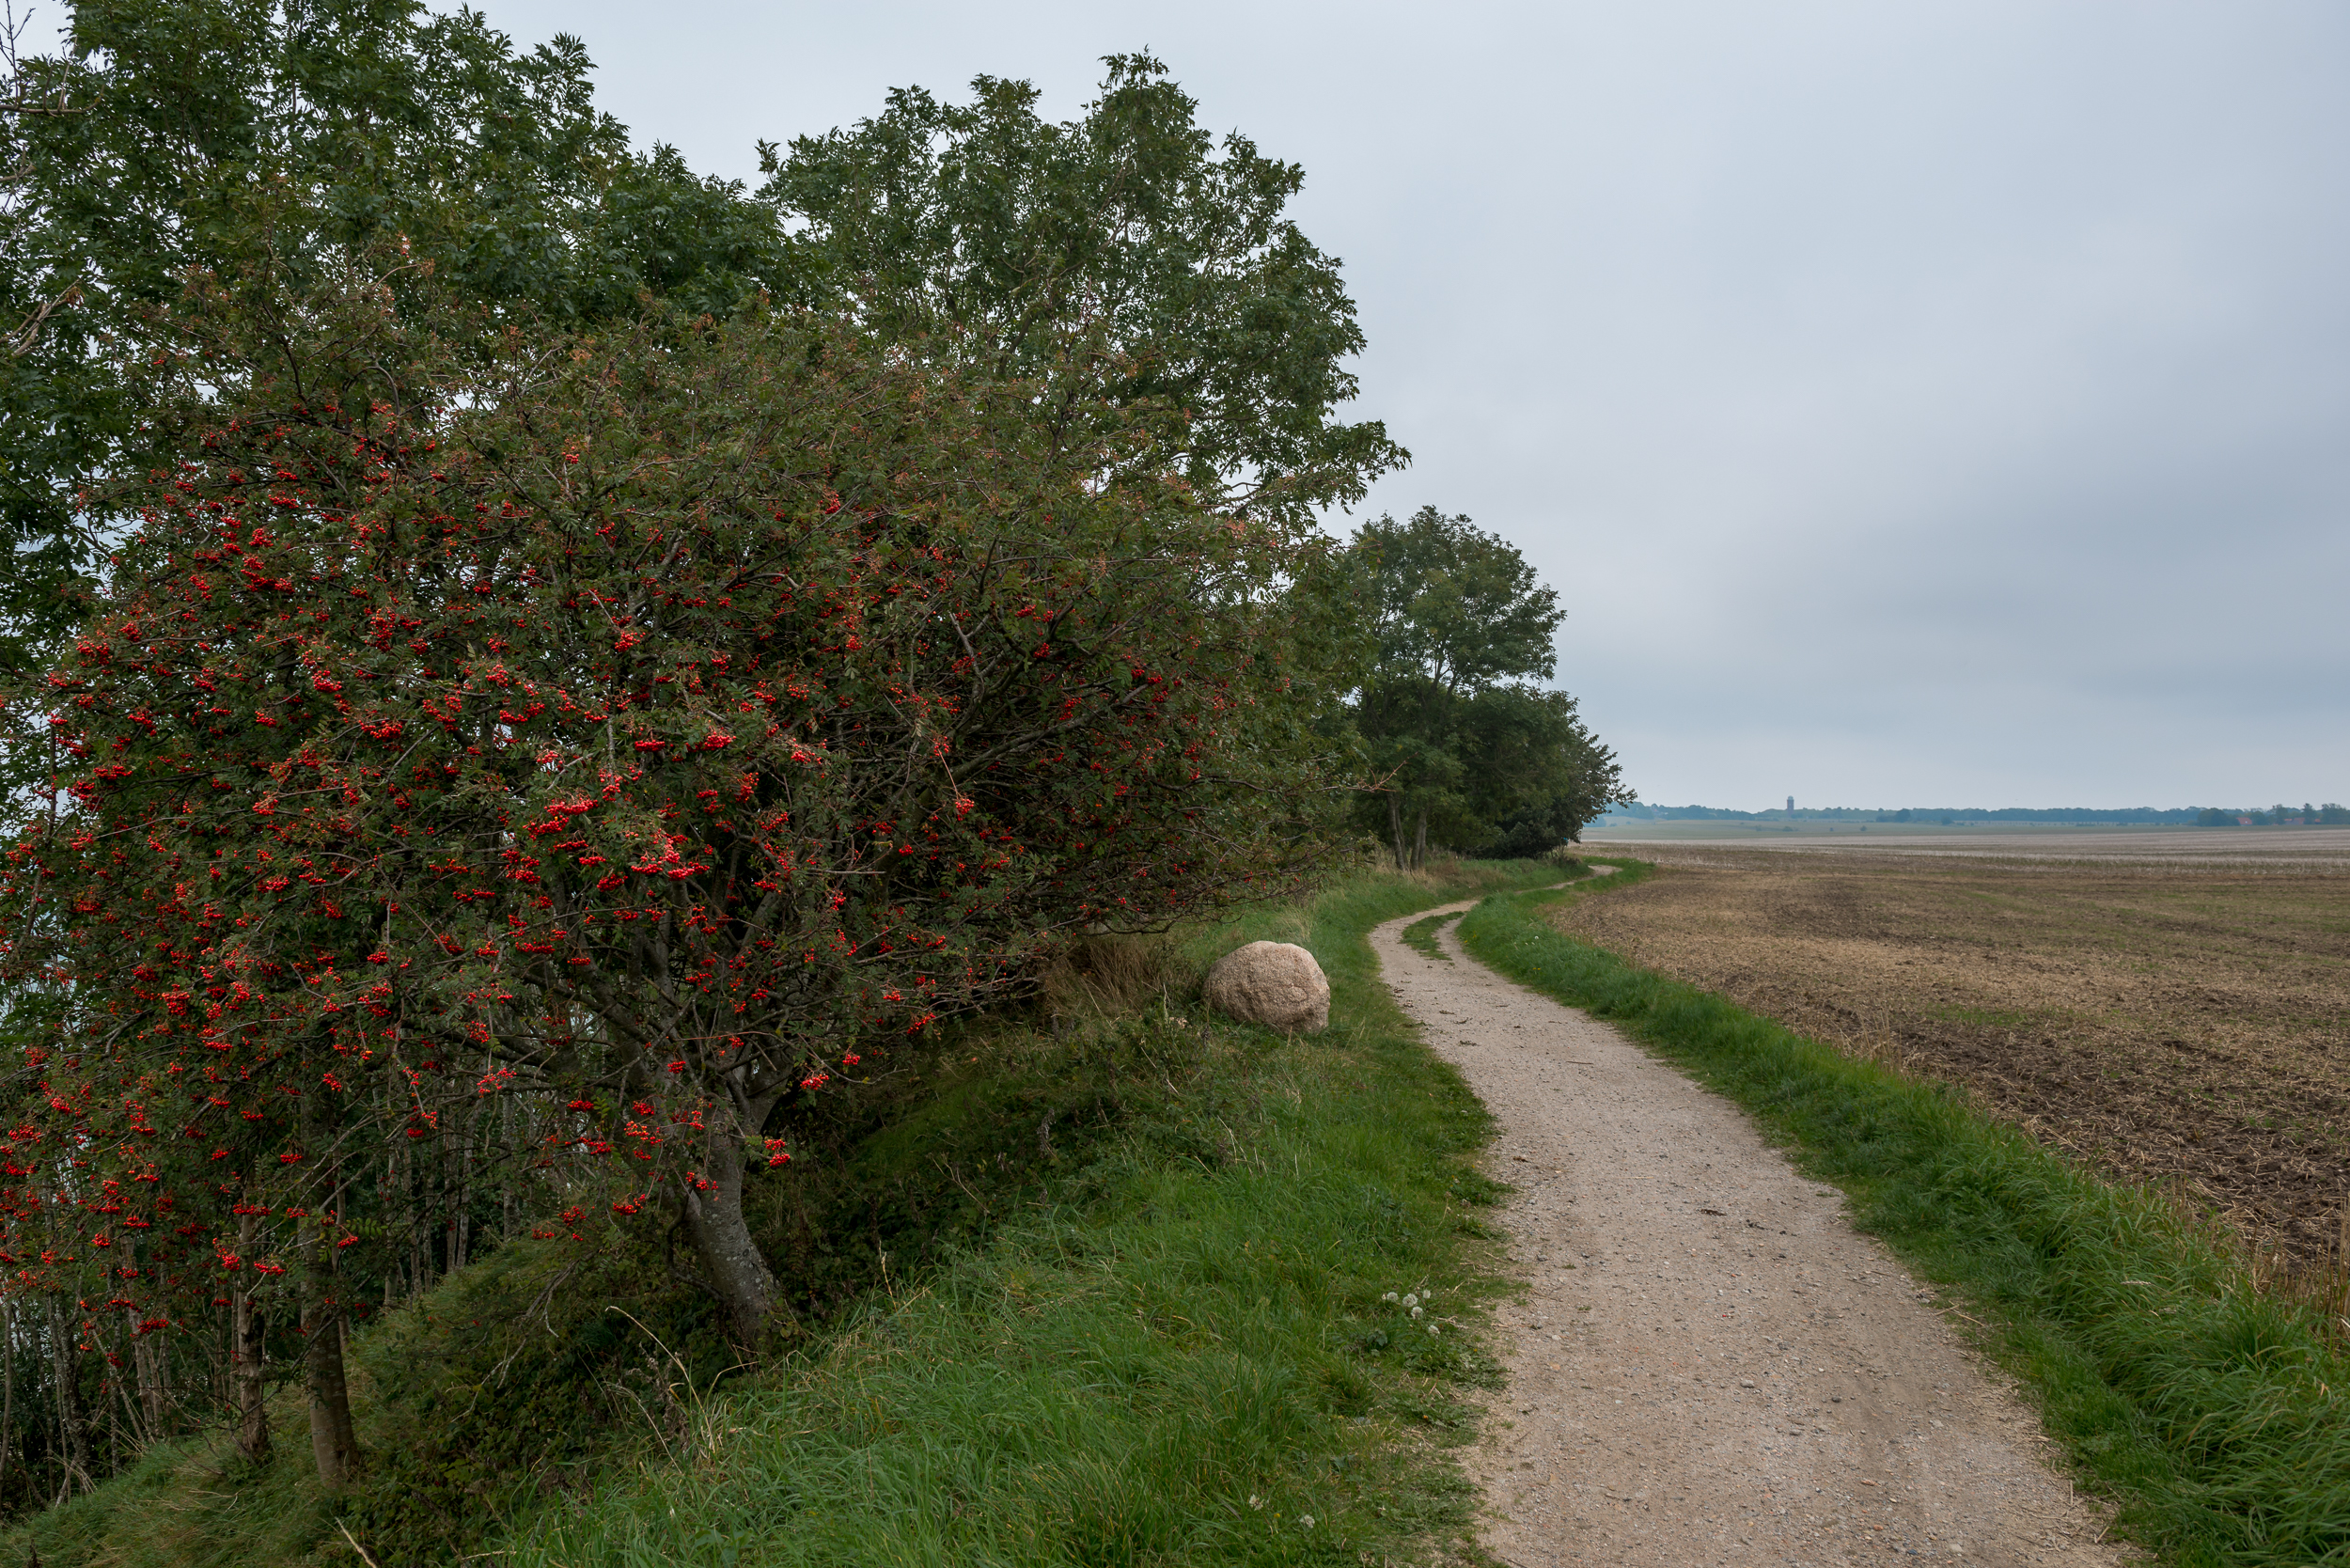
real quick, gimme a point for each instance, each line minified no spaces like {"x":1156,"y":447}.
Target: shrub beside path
{"x":1709,"y":1365}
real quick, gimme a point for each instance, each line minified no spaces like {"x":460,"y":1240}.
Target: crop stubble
{"x":2172,"y":1022}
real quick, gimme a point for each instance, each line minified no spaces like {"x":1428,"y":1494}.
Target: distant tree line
{"x":2331,"y":814}
{"x":2085,"y":814}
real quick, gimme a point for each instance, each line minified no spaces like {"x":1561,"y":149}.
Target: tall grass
{"x":2206,"y":1407}
{"x":1195,"y":1363}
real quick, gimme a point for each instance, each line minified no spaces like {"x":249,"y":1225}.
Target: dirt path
{"x":1708,"y":1366}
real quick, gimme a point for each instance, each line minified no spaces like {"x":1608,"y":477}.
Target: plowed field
{"x":2174,"y":1024}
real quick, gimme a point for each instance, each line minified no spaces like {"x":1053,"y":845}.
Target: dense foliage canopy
{"x":226,"y":134}
{"x":985,"y":231}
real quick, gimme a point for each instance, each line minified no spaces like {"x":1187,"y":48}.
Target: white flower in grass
{"x":1255,"y":1501}
{"x":1305,"y":1521}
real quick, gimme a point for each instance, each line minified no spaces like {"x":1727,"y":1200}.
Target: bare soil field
{"x":2178,"y":1022}
{"x":2314,"y":847}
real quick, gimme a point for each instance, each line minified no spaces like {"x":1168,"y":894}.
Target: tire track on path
{"x":1710,"y":1366}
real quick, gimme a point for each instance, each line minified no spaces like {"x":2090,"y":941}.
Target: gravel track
{"x":1708,"y":1364}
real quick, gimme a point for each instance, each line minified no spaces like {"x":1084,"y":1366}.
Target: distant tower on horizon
{"x":1790,"y":806}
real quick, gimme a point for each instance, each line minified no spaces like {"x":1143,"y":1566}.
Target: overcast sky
{"x":1915,"y":404}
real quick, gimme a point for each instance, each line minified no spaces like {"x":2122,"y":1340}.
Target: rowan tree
{"x":1142,"y":421}
{"x":660,"y":729}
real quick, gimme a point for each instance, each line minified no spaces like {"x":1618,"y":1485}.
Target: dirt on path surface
{"x":1710,"y":1366}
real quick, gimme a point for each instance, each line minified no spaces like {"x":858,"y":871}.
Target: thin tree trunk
{"x":505,"y":1146}
{"x":468,"y":1132}
{"x":730,"y":1258}
{"x":7,"y":1384}
{"x":163,"y":1398}
{"x":1395,"y":826}
{"x":147,"y":1361}
{"x":1419,"y":845}
{"x":461,"y":1218}
{"x":131,"y":1421}
{"x":334,"y":1443}
{"x":247,"y":1342}
{"x":73,"y":1431}
{"x":391,"y":1265}
{"x":421,"y":1226}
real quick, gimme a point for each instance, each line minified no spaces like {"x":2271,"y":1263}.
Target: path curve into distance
{"x":1710,"y":1366}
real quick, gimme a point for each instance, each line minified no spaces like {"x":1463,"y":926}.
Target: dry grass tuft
{"x":1113,"y":976}
{"x":2321,"y":1284}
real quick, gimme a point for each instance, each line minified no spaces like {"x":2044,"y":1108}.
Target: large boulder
{"x":1274,"y":984}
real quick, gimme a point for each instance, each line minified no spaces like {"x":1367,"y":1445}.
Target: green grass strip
{"x":1421,"y":935}
{"x":2203,"y":1409}
{"x":1202,"y":1362}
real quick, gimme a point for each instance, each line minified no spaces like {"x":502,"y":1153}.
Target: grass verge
{"x":2204,"y":1409}
{"x":1192,"y":1360}
{"x":1106,"y":1292}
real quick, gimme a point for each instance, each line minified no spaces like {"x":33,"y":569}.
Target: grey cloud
{"x":1934,"y":403}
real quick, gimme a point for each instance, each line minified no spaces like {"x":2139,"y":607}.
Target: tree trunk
{"x":420,"y":1182}
{"x":72,"y":1430}
{"x":460,"y":1196}
{"x":391,"y":1267}
{"x":334,"y":1443}
{"x":148,"y":1362}
{"x":1419,"y":843}
{"x":7,"y":1384}
{"x":506,"y":1189}
{"x":246,"y":1345}
{"x":1395,"y":826}
{"x":131,"y":1423}
{"x":730,"y":1260}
